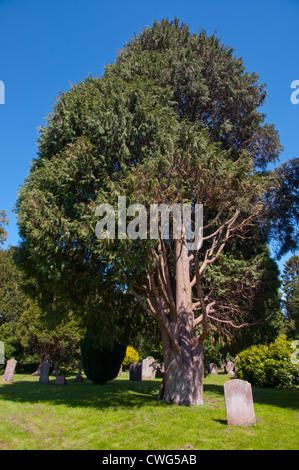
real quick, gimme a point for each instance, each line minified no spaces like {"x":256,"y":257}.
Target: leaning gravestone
{"x":239,"y":403}
{"x":229,"y":366}
{"x":149,"y":366}
{"x":136,"y":371}
{"x":9,"y":370}
{"x":44,"y":375}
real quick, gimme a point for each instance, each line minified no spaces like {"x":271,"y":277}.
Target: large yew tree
{"x":175,"y":120}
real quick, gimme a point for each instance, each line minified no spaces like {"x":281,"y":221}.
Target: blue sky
{"x":47,"y":45}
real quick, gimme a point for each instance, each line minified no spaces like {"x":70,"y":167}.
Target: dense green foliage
{"x":269,"y":365}
{"x":100,"y":363}
{"x":13,"y":303}
{"x":27,"y":332}
{"x":246,"y":281}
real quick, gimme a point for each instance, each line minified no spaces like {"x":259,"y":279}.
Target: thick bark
{"x":183,"y":384}
{"x":184,"y":366}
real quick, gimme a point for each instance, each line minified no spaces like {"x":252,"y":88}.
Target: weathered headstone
{"x":229,"y":366}
{"x":60,"y":380}
{"x":9,"y":370}
{"x":239,"y":403}
{"x":44,"y":374}
{"x":2,"y":353}
{"x":136,"y":371}
{"x":149,"y":366}
{"x":213,"y":369}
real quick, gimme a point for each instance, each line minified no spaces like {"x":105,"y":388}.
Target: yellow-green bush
{"x":131,"y":356}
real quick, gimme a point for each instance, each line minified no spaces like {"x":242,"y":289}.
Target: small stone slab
{"x":239,"y":403}
{"x":60,"y":380}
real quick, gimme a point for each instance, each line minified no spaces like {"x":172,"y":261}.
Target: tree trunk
{"x":183,"y":360}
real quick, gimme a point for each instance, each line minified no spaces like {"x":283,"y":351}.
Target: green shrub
{"x":269,"y":365}
{"x":101,"y":364}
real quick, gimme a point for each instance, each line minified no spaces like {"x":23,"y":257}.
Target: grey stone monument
{"x":9,"y":370}
{"x":239,"y":403}
{"x":44,"y":375}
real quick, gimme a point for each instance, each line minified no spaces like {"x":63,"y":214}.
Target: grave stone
{"x":136,"y":371}
{"x":213,"y":369}
{"x":149,"y":366}
{"x":9,"y":370}
{"x":44,"y":375}
{"x":60,"y":380}
{"x":229,"y":366}
{"x":239,"y":403}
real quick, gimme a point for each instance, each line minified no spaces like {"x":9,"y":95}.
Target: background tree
{"x":282,"y":224}
{"x":12,"y":303}
{"x":290,"y":288}
{"x":175,"y":120}
{"x":59,"y":344}
{"x":3,"y":222}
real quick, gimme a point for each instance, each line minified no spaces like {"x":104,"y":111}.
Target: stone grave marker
{"x":213,"y":368}
{"x":9,"y":370}
{"x":149,"y":366}
{"x":44,"y":375}
{"x":239,"y":403}
{"x":229,"y":366}
{"x":60,"y":380}
{"x":136,"y":371}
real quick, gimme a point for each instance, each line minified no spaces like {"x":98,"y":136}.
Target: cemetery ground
{"x":125,"y":415}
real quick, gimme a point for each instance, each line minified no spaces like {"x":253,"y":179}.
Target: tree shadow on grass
{"x":123,"y":393}
{"x":114,"y":394}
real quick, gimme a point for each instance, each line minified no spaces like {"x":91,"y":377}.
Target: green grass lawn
{"x":124,"y":415}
